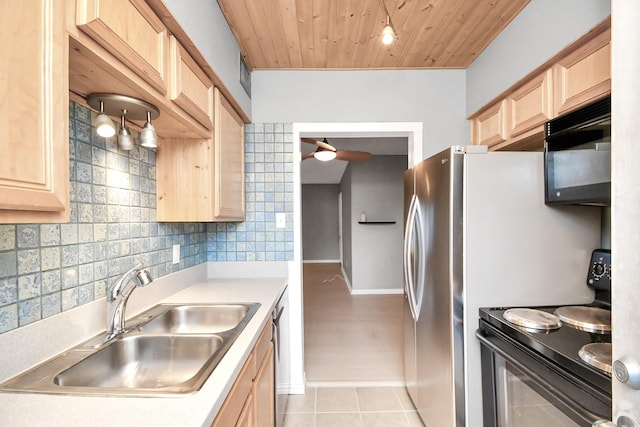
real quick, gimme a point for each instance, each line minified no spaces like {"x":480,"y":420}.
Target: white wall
{"x":435,"y":98}
{"x":540,"y":31}
{"x":207,"y":27}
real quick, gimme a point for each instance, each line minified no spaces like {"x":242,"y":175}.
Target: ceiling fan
{"x":326,"y":152}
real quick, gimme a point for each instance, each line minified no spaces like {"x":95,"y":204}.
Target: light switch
{"x":176,"y":254}
{"x":280,"y":220}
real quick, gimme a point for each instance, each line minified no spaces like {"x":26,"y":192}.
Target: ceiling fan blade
{"x":322,"y":144}
{"x":307,"y":156}
{"x":352,"y":156}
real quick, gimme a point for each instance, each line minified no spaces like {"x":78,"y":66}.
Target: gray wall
{"x":540,"y":31}
{"x":205,"y":24}
{"x":433,"y":97}
{"x":377,"y":189}
{"x":320,"y":222}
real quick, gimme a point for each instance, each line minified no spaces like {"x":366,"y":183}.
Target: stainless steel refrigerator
{"x":478,"y":234}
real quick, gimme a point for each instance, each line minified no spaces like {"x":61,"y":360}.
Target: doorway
{"x":413,"y":133}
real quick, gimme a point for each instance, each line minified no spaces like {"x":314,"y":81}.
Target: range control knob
{"x":627,"y":371}
{"x":599,"y":269}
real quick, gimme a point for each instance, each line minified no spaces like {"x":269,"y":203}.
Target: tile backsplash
{"x":49,"y":268}
{"x":268,"y":190}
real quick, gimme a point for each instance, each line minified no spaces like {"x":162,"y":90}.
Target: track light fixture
{"x":110,"y":104}
{"x":388,"y":34}
{"x":148,"y":136}
{"x":124,"y":136}
{"x":103,"y":124}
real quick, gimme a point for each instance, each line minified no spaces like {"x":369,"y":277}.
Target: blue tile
{"x":51,"y":304}
{"x":8,"y":318}
{"x":29,"y":311}
{"x":28,"y":261}
{"x":51,"y":281}
{"x":8,"y":290}
{"x":28,"y":236}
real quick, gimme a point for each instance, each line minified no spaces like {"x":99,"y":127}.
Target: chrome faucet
{"x":118,"y":296}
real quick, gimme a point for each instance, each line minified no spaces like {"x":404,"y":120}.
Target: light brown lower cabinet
{"x":251,"y":401}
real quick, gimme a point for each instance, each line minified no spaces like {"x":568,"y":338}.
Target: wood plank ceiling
{"x":346,"y":34}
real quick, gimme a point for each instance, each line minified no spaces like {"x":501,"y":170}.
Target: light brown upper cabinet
{"x":584,"y":75}
{"x":34,"y":105}
{"x":203,"y":180}
{"x":579,"y":74}
{"x":131,"y":32}
{"x":229,"y":172}
{"x":191,"y":89}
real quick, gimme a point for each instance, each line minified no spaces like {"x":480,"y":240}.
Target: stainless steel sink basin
{"x":144,"y":362}
{"x":197,"y":319}
{"x":169,"y":349}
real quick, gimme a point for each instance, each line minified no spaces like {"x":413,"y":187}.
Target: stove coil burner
{"x":598,"y":355}
{"x":532,"y":319}
{"x":590,"y":319}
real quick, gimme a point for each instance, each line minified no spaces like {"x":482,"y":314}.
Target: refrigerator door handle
{"x":409,"y":279}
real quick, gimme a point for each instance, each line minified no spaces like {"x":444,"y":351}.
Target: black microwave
{"x":577,"y":156}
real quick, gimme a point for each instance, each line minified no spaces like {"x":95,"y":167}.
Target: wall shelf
{"x":376,"y":222}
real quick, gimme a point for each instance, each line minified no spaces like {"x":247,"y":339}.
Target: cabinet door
{"x":229,"y":158}
{"x":191,"y":89}
{"x":34,"y":106}
{"x":489,"y":128}
{"x":530,"y":106}
{"x":247,"y":416}
{"x":263,"y":391}
{"x":129,"y":30}
{"x":584,"y":75}
{"x":233,"y":406}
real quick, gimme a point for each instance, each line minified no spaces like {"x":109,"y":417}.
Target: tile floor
{"x":352,"y":407}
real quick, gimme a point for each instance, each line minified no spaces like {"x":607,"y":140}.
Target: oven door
{"x":522,"y":388}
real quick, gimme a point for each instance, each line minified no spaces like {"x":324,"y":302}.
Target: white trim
{"x":338,"y":384}
{"x":412,"y":131}
{"x":346,"y":279}
{"x":321,"y":261}
{"x":376,"y":291}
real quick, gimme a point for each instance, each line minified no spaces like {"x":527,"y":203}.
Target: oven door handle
{"x":492,"y":343}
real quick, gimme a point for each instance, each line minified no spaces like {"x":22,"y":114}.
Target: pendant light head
{"x":124,"y":136}
{"x":148,"y":136}
{"x":103,"y":124}
{"x":324,"y":155}
{"x":387,"y":33}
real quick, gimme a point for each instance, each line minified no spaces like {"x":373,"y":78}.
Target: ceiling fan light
{"x":388,"y":35}
{"x":324,"y":155}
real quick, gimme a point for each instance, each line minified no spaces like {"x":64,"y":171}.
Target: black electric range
{"x":556,"y":353}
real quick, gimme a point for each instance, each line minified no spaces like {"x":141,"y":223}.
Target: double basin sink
{"x":168,"y":349}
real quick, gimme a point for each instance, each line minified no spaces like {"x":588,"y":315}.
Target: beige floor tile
{"x":302,"y":403}
{"x":404,"y":398}
{"x":336,"y":399}
{"x":378,"y":399}
{"x":414,"y":419}
{"x":299,"y":420}
{"x":345,"y":419}
{"x":384,"y":419}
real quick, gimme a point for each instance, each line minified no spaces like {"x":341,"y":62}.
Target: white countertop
{"x":199,"y":409}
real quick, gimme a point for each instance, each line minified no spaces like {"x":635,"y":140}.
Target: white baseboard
{"x":346,"y":278}
{"x":390,"y":383}
{"x":376,"y":291}
{"x":321,"y":261}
